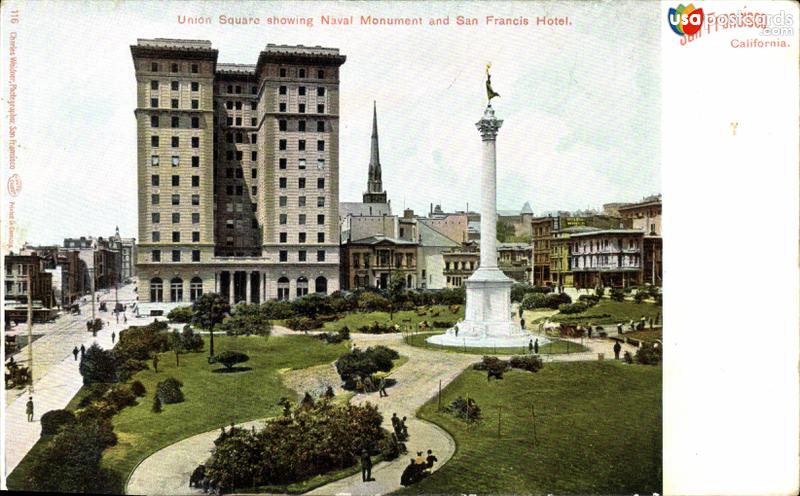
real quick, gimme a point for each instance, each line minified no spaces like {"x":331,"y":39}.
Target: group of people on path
{"x":418,"y":468}
{"x":399,"y":426}
{"x":75,"y":352}
{"x":367,"y":385}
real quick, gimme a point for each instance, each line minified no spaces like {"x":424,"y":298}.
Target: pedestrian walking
{"x":617,"y":349}
{"x":404,"y":428}
{"x":522,"y":323}
{"x":124,"y":318}
{"x":116,"y":314}
{"x":530,"y":346}
{"x":368,"y":385}
{"x":29,"y":408}
{"x":520,"y":311}
{"x":83,"y":350}
{"x":536,"y":346}
{"x":456,"y":330}
{"x":75,"y":353}
{"x":113,"y":336}
{"x":431,"y":459}
{"x":155,"y":363}
{"x":366,"y":466}
{"x":382,"y":388}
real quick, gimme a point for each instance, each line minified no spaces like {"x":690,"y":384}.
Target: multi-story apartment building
{"x":646,"y":216}
{"x":19,"y":268}
{"x":370,"y":262}
{"x":460,"y":263}
{"x":606,"y":258}
{"x":102,"y":257}
{"x":514,"y":259}
{"x":542,"y":229}
{"x":238,"y":170}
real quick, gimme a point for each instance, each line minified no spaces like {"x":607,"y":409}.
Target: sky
{"x":580,"y":102}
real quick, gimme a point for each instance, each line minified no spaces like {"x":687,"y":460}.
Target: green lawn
{"x":554,"y":347}
{"x":645,"y":335}
{"x":598,"y":431}
{"x":403,"y":318}
{"x":612,"y":312}
{"x":212,"y":399}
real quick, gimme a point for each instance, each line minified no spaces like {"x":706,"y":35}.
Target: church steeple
{"x":375,"y":192}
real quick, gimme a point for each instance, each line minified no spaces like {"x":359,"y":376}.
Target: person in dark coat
{"x":29,"y":408}
{"x":366,"y":466}
{"x":522,"y":323}
{"x":617,"y":349}
{"x":382,"y":388}
{"x":431,"y":459}
{"x":113,"y":336}
{"x":409,"y":474}
{"x":83,"y":350}
{"x":536,"y":346}
{"x":530,"y":346}
{"x":155,"y":363}
{"x":75,"y":352}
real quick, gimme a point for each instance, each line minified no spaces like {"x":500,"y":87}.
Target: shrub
{"x":191,"y":341}
{"x":617,"y":294}
{"x":126,"y":369}
{"x":570,"y":308}
{"x":70,"y":462}
{"x":649,"y":354}
{"x":121,"y":396}
{"x":246,"y":324}
{"x":442,"y":325}
{"x":138,"y":388}
{"x":465,"y":409}
{"x":96,"y":411}
{"x":371,"y":302}
{"x":531,"y":363}
{"x":589,"y":300}
{"x":98,"y":365}
{"x":378,"y":328}
{"x":230,"y":358}
{"x":140,"y":343}
{"x":181,"y":315}
{"x":533,"y":300}
{"x":307,"y":401}
{"x":364,"y":363}
{"x":306,"y":442}
{"x":600,"y":292}
{"x":302,"y":324}
{"x":639,"y":296}
{"x":389,"y":447}
{"x":55,"y":420}
{"x":276,"y":310}
{"x":312,"y":305}
{"x":169,"y":391}
{"x":156,"y":405}
{"x":95,"y":392}
{"x":328,"y":393}
{"x":490,"y":363}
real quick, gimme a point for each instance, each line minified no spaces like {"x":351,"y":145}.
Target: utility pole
{"x":30,"y":327}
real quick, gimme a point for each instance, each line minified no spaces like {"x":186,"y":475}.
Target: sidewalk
{"x":56,"y":381}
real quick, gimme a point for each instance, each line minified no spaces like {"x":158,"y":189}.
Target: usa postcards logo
{"x":685,"y":20}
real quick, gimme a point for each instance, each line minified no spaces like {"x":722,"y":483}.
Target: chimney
{"x":408,"y":213}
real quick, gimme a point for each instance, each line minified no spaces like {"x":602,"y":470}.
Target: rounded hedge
{"x":55,"y":420}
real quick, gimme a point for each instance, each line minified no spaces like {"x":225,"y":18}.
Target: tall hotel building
{"x":238,"y":172}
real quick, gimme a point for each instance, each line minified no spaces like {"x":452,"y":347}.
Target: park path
{"x":56,"y":375}
{"x":167,"y":471}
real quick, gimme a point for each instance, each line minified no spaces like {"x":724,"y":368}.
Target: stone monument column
{"x":488,"y":126}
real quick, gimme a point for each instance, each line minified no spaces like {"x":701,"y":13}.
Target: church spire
{"x":375,"y":193}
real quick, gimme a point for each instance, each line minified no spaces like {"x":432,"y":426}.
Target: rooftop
{"x":601,"y":232}
{"x":246,"y":69}
{"x":380,"y":238}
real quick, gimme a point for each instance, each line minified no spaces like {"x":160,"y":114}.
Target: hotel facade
{"x":238,"y":170}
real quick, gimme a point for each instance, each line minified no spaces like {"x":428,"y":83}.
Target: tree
{"x":246,"y":323}
{"x":231,"y":358}
{"x":504,"y":231}
{"x":177,"y":345}
{"x":98,"y":365}
{"x":396,"y":291}
{"x":209,"y":311}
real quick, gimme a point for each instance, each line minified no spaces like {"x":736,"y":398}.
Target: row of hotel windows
{"x":155,"y":180}
{"x":155,"y":160}
{"x":283,"y":125}
{"x":154,"y":67}
{"x":383,"y":260}
{"x":301,"y":90}
{"x":176,"y":236}
{"x":302,"y":256}
{"x":301,"y":108}
{"x":301,"y":219}
{"x":175,"y":121}
{"x":301,"y":237}
{"x":301,"y":144}
{"x":155,"y":199}
{"x":175,"y":85}
{"x":301,"y":201}
{"x":463,"y":265}
{"x":229,"y":138}
{"x":175,"y":289}
{"x":301,"y":182}
{"x":195,"y":68}
{"x":175,"y":103}
{"x":175,"y":142}
{"x":176,"y":255}
{"x":176,"y":218}
{"x":604,"y":244}
{"x":230,"y":104}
